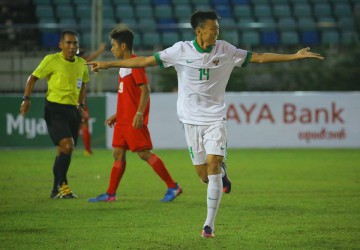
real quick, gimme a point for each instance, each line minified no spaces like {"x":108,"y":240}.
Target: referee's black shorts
{"x":63,"y":121}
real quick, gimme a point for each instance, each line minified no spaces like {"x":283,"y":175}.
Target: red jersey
{"x":129,"y":95}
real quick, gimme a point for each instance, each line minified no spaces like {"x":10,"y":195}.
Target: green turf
{"x":281,"y":199}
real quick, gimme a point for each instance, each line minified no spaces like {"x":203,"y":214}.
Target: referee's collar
{"x":201,"y":50}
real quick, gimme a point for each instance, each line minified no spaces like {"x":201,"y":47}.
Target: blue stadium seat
{"x":260,"y":2}
{"x":320,"y":1}
{"x":203,"y":2}
{"x":169,"y":38}
{"x":108,"y":11}
{"x":250,"y":38}
{"x":343,"y":1}
{"x":123,"y":3}
{"x":85,"y":23}
{"x":200,"y":6}
{"x":163,"y":11}
{"x":330,"y":37}
{"x":151,"y":39}
{"x":83,"y":11}
{"x":137,"y":40}
{"x":346,"y":23}
{"x":130,"y":22}
{"x":322,"y":9}
{"x":147,"y":24}
{"x":85,"y":40}
{"x":142,"y":2}
{"x":238,"y":2}
{"x":227,"y":23}
{"x":223,"y":11}
{"x":282,"y":10}
{"x":299,"y":1}
{"x":302,"y":10}
{"x":187,"y":35}
{"x":43,"y":11}
{"x":286,"y":23}
{"x":82,"y":2}
{"x":144,"y":11}
{"x":289,"y":37}
{"x":124,"y":11}
{"x":342,"y":10}
{"x":108,"y":24}
{"x":231,"y":36}
{"x":182,"y":11}
{"x":306,"y":24}
{"x":62,"y":2}
{"x":348,"y":38}
{"x":242,"y":11}
{"x":50,"y":39}
{"x":42,"y":2}
{"x":262,"y":10}
{"x":167,"y":24}
{"x":161,"y":2}
{"x":64,"y":11}
{"x":275,"y":2}
{"x":181,"y":2}
{"x":310,"y":38}
{"x":219,"y":2}
{"x":270,"y":38}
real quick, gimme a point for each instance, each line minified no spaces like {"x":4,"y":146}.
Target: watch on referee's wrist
{"x":25,"y":98}
{"x":82,"y":105}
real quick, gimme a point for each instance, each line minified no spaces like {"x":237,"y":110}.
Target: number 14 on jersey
{"x":204,"y":73}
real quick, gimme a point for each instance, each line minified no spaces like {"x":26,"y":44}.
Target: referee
{"x":66,"y":76}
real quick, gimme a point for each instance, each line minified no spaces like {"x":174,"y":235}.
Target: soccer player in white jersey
{"x":203,"y":68}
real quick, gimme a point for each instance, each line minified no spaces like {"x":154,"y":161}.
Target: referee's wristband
{"x":82,"y":105}
{"x":25,"y":98}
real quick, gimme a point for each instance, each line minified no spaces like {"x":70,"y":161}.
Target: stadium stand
{"x":264,"y":22}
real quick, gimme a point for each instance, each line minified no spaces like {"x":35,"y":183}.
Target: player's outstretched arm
{"x":135,"y":62}
{"x":271,"y":57}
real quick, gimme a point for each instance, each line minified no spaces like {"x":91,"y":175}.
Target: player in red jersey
{"x":131,"y":119}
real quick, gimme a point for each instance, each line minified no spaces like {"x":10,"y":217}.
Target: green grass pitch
{"x":281,"y":199}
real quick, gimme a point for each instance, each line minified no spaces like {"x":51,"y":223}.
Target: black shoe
{"x":207,"y":232}
{"x":53,"y":194}
{"x":65,"y":193}
{"x":226,"y":181}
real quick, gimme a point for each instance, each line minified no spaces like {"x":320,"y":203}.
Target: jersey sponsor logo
{"x":216,"y":61}
{"x":189,"y":61}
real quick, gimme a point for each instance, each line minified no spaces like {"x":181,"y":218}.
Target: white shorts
{"x":203,"y":140}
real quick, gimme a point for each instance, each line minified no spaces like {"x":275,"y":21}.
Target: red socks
{"x":86,"y":138}
{"x":116,"y":175}
{"x":159,"y":167}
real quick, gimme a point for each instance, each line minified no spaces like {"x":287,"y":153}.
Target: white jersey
{"x":202,"y":78}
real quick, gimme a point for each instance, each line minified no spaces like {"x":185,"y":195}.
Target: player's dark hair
{"x":123,"y":34}
{"x":68,"y":32}
{"x":199,"y":17}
